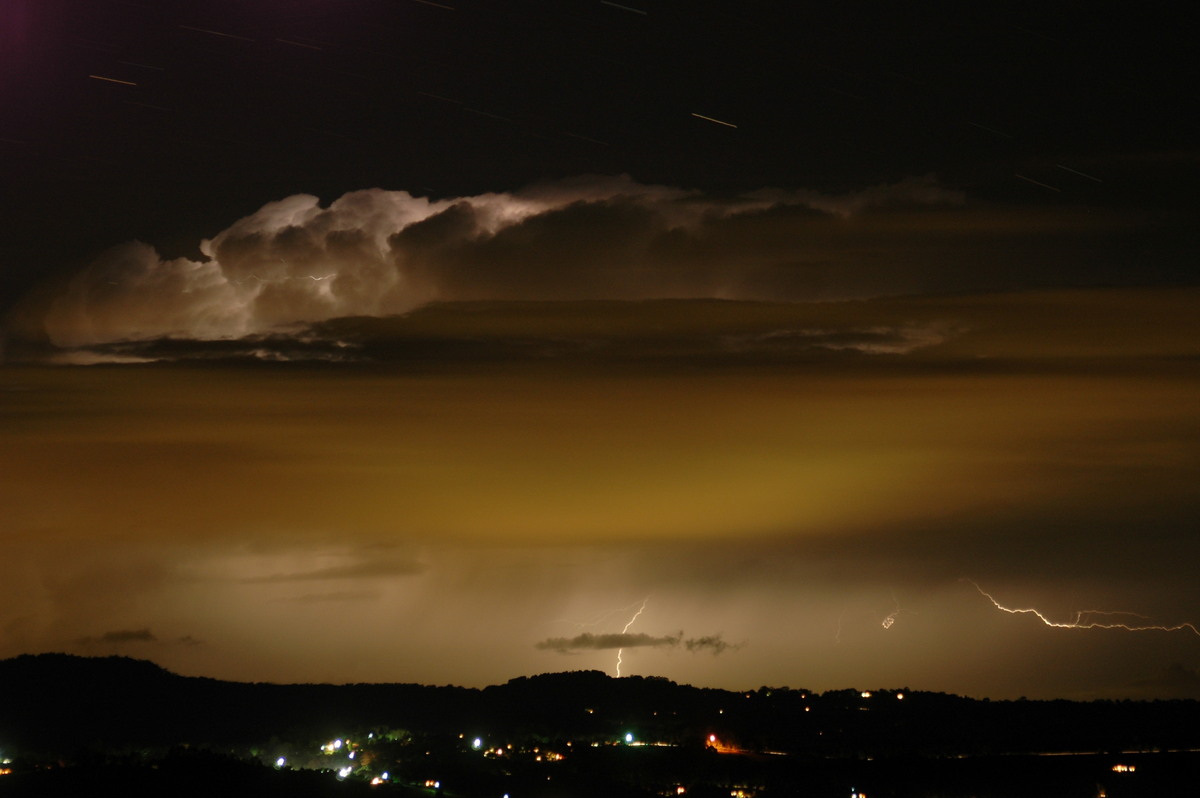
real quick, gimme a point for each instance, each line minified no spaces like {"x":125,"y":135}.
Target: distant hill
{"x":63,"y":703}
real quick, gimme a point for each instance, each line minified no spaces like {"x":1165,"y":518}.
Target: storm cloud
{"x":376,"y":252}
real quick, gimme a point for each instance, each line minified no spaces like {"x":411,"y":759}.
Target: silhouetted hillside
{"x":56,"y":703}
{"x":62,"y":702}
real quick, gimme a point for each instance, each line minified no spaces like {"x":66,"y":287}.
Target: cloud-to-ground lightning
{"x":640,"y":610}
{"x":1090,"y":619}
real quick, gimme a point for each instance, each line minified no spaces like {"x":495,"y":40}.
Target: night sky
{"x":738,"y":343}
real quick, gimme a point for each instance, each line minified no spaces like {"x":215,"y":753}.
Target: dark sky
{"x":234,"y":104}
{"x":431,"y":341}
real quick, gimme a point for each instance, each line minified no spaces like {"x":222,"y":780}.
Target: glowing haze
{"x":409,"y":341}
{"x":512,"y":450}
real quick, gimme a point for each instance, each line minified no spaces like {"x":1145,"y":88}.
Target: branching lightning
{"x":640,"y":610}
{"x":1091,"y":619}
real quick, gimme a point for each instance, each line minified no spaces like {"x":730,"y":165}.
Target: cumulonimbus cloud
{"x":377,"y":253}
{"x":587,"y":641}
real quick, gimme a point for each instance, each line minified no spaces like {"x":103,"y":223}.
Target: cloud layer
{"x":509,"y":461}
{"x":121,"y":637}
{"x":587,"y":641}
{"x":376,"y":252}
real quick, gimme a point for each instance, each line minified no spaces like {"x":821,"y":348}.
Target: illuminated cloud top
{"x":377,"y":253}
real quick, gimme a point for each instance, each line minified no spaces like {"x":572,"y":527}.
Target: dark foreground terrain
{"x":84,"y":726}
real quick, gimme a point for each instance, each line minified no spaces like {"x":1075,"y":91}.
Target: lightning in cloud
{"x":886,"y":622}
{"x":636,"y":615}
{"x":1091,"y":619}
{"x":890,"y":618}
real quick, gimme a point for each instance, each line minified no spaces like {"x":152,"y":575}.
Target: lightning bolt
{"x":1090,"y":619}
{"x":641,"y":609}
